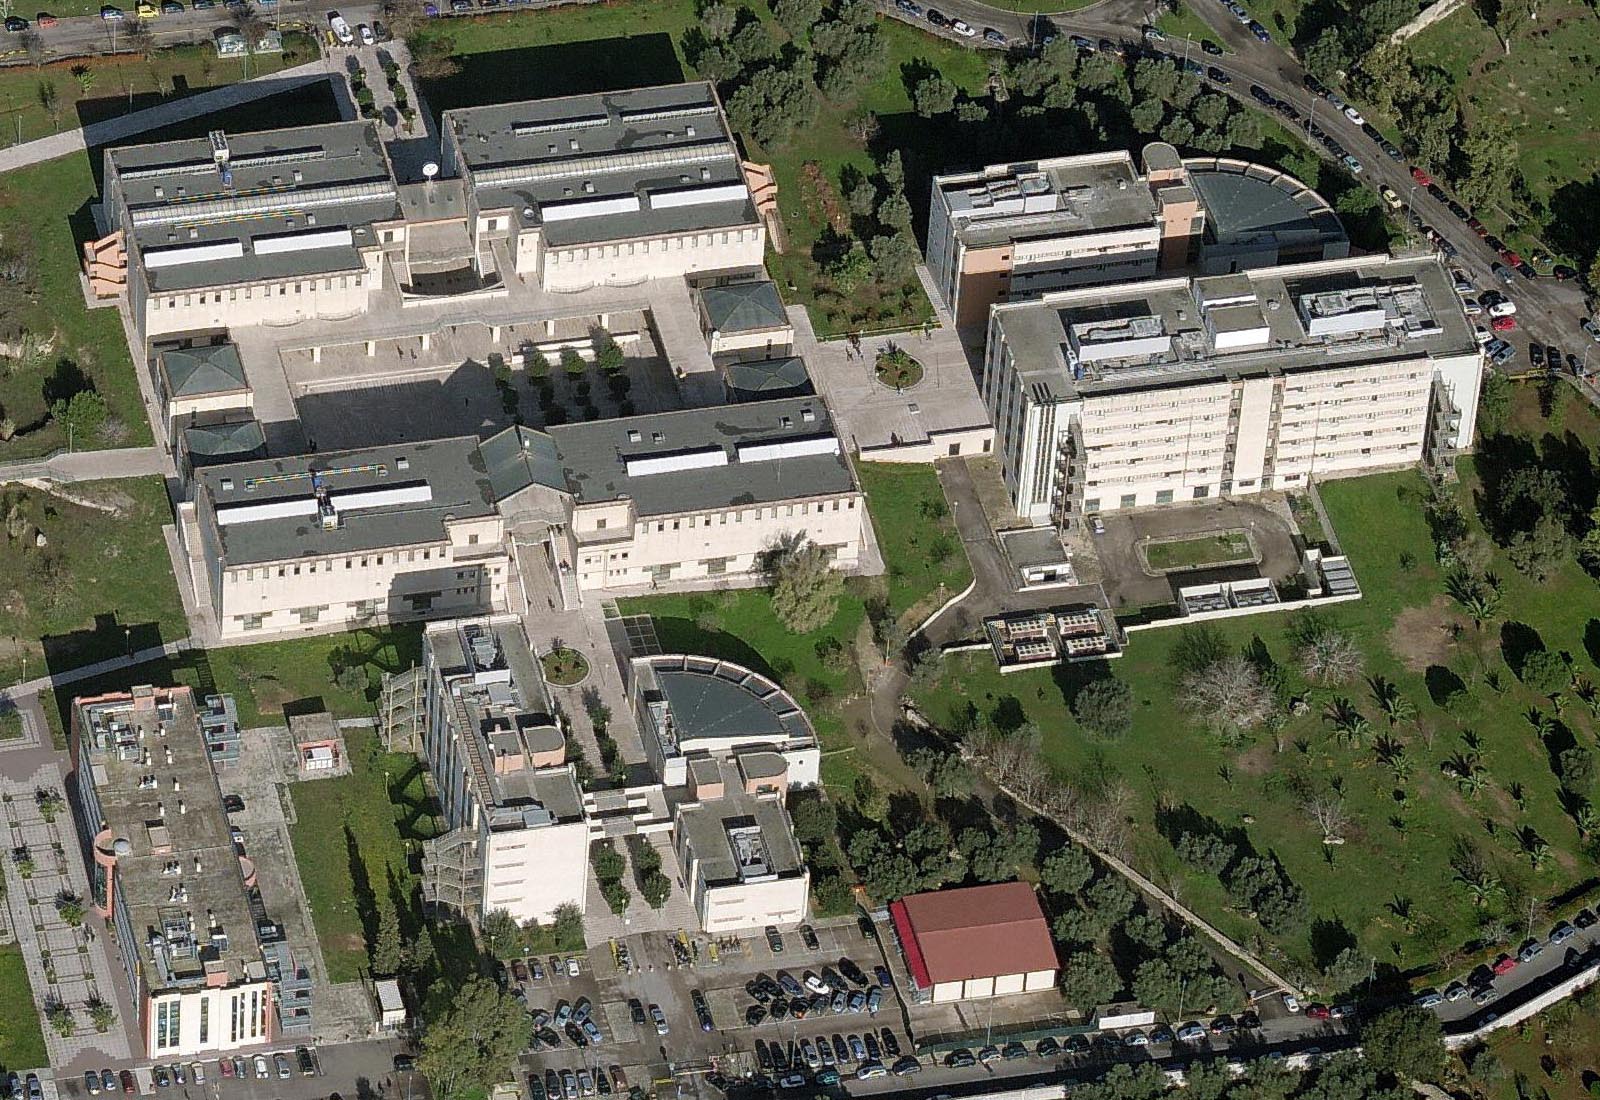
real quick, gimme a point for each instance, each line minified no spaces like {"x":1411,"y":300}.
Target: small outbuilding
{"x":976,"y":942}
{"x":318,"y":746}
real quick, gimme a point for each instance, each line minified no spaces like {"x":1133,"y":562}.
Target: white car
{"x":367,"y":37}
{"x":816,"y":984}
{"x":1291,"y":1002}
{"x":1353,"y":165}
{"x":1354,"y":116}
{"x":341,"y":29}
{"x":1482,"y":335}
{"x":262,"y":1070}
{"x":1470,"y":307}
{"x":1388,"y":195}
{"x":963,"y":28}
{"x":572,"y":966}
{"x":1590,"y":329}
{"x":1503,"y":308}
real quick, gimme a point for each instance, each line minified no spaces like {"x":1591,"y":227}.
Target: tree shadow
{"x":1444,"y":685}
{"x":1328,"y":938}
{"x":361,"y":889}
{"x":1008,"y":714}
{"x":1591,"y":640}
{"x":1517,"y":640}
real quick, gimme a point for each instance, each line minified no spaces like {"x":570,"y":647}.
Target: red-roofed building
{"x":982,"y":941}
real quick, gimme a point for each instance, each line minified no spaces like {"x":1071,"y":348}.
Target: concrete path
{"x":16,"y":692}
{"x":164,"y":114}
{"x":68,"y":467}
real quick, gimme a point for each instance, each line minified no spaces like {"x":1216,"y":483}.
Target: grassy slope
{"x":1380,"y":522}
{"x":21,"y":1041}
{"x":44,"y":214}
{"x":115,"y":570}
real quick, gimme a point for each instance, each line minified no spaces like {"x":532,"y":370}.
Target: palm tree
{"x":1586,"y":819}
{"x":1395,"y":707}
{"x":1349,"y":724}
{"x":1481,"y":888}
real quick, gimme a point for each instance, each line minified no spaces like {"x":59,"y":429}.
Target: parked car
{"x":1561,"y":933}
{"x":659,"y":1018}
{"x":1431,"y":998}
{"x":1191,"y":1033}
{"x":1530,"y":951}
{"x":91,"y":1081}
{"x":963,"y":28}
{"x":281,"y":1062}
{"x":1505,"y":964}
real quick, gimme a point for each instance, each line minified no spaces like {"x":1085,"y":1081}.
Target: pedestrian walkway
{"x":98,"y":668}
{"x":163,"y":114}
{"x":66,"y":467}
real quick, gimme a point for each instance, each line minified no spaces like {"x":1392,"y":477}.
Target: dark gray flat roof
{"x":607,"y":166}
{"x":596,"y":457}
{"x":276,"y":213}
{"x":443,"y":477}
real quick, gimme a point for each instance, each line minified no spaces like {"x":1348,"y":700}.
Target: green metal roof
{"x":744,"y":307}
{"x":769,"y":377}
{"x":225,"y":440}
{"x":195,"y":372}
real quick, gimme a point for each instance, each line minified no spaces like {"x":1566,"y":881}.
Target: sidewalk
{"x":67,"y":467}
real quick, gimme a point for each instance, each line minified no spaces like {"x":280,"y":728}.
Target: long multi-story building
{"x":518,"y":839}
{"x":1010,"y":232}
{"x":1183,"y":389}
{"x":307,"y":542}
{"x":240,"y":229}
{"x":209,"y":970}
{"x":665,"y":497}
{"x":608,"y":189}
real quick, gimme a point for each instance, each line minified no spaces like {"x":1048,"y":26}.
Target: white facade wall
{"x":1007,"y":984}
{"x":753,"y":904}
{"x":328,"y":297}
{"x":945,"y":992}
{"x":1038,"y":980}
{"x":611,"y":549}
{"x":210,"y":1019}
{"x":531,"y":872}
{"x":627,"y":263}
{"x":770,"y":343}
{"x":469,"y":571}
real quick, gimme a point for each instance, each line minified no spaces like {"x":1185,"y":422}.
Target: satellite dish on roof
{"x":430,"y":169}
{"x":122,"y":846}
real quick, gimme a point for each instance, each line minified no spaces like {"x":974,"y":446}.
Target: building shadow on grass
{"x":567,"y":68}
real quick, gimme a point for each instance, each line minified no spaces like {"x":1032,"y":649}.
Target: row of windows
{"x":644,"y":248}
{"x":326,"y":565}
{"x":806,"y":509}
{"x":171,"y":301}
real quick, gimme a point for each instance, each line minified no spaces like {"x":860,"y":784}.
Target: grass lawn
{"x":1553,"y":1055}
{"x":44,"y":215}
{"x":100,"y":576}
{"x":1548,"y":93}
{"x":123,"y":83}
{"x":21,"y":1041}
{"x":1390,"y":887}
{"x":265,"y":679}
{"x":356,"y":840}
{"x":1185,"y":23}
{"x":921,"y":549}
{"x":1218,"y":549}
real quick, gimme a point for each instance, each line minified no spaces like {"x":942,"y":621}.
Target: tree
{"x":894,"y":212}
{"x":102,"y":1016}
{"x":1177,"y":130}
{"x":1494,"y":404}
{"x":717,"y":62}
{"x":1406,"y":1043}
{"x":871,"y":800}
{"x":1330,"y":658}
{"x":501,"y":936}
{"x":1546,"y":672}
{"x":1229,"y":697}
{"x":50,"y":100}
{"x":1325,"y":57}
{"x":433,"y":56}
{"x":752,"y":44}
{"x":1104,"y":707}
{"x":1575,"y":766}
{"x":82,"y":414}
{"x":717,"y":21}
{"x":1206,"y":852}
{"x":933,"y":95}
{"x":862,"y":198}
{"x":1066,"y":871}
{"x":388,"y":953}
{"x":774,"y":103}
{"x":1244,"y":130}
{"x":608,"y":354}
{"x":1089,"y":979}
{"x":568,"y":927}
{"x":1146,"y":115}
{"x":805,"y":588}
{"x":946,"y":774}
{"x":1210,"y":111}
{"x":894,"y":257}
{"x":1511,"y":16}
{"x":1155,"y":76}
{"x":33,"y":45}
{"x":1347,"y":969}
{"x":1432,"y":134}
{"x":71,"y":911}
{"x":797,"y":16}
{"x":815,"y":820}
{"x":473,"y":1043}
{"x":1489,"y":152}
{"x":1328,"y":812}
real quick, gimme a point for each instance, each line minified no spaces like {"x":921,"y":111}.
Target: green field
{"x":1219,"y":549}
{"x":269,"y":679}
{"x":921,"y":549}
{"x":1553,"y":1055}
{"x":1185,"y":23}
{"x":356,"y":840}
{"x":21,"y":1041}
{"x":122,"y":83}
{"x":101,"y":585}
{"x":1390,"y":888}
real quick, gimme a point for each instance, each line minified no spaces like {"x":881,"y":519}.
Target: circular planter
{"x":564,"y":667}
{"x":897,"y":370}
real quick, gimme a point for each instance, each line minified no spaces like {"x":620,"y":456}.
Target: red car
{"x":1503,"y":324}
{"x":1511,"y":258}
{"x":45,"y":19}
{"x":1421,"y":177}
{"x":1317,"y":1012}
{"x":128,"y":1085}
{"x":1505,"y":964}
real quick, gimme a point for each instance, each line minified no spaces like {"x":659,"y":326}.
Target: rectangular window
{"x":1128,"y":500}
{"x":600,"y":524}
{"x":1201,"y":492}
{"x":1092,"y":505}
{"x":1163,"y":496}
